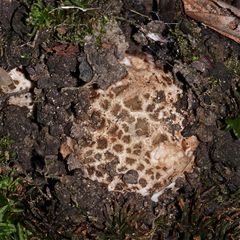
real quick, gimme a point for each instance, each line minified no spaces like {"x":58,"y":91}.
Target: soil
{"x":64,"y":204}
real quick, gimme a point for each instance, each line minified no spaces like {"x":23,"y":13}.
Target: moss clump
{"x":6,"y":152}
{"x":233,"y":124}
{"x":233,"y":64}
{"x":182,"y":42}
{"x":11,"y":208}
{"x":186,"y":50}
{"x":67,"y":20}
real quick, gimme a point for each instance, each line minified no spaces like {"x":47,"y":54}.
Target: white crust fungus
{"x":136,"y":144}
{"x":17,"y":86}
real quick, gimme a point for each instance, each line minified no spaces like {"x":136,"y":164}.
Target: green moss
{"x":40,"y":15}
{"x":69,"y":21}
{"x":214,"y":81}
{"x":6,"y":153}
{"x":183,"y":43}
{"x":233,"y":64}
{"x":11,"y":209}
{"x":5,"y":142}
{"x":185,"y":48}
{"x":233,"y":124}
{"x":2,"y":45}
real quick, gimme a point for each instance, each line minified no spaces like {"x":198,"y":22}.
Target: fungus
{"x":142,"y":131}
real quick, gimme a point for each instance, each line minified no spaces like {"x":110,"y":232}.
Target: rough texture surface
{"x":131,"y":136}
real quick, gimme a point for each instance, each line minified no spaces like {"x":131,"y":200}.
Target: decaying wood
{"x":217,"y":15}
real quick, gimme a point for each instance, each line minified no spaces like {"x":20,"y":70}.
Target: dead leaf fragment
{"x":217,"y":15}
{"x":5,"y":79}
{"x":67,"y":148}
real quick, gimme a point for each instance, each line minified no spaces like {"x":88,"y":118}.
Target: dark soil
{"x":62,"y":204}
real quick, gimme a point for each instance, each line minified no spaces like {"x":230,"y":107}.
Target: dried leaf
{"x":217,"y":15}
{"x":5,"y":79}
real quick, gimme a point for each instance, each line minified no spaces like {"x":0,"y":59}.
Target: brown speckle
{"x":109,"y":179}
{"x":105,"y":104}
{"x":142,"y":182}
{"x":109,"y":156}
{"x":113,"y":129}
{"x":157,"y":186}
{"x":134,"y":104}
{"x":131,"y":177}
{"x":125,"y":116}
{"x":110,"y":95}
{"x":11,"y":86}
{"x":125,"y":127}
{"x":137,"y":152}
{"x":140,"y":167}
{"x":119,"y":134}
{"x":116,"y":109}
{"x":128,"y":150}
{"x":173,"y":117}
{"x":97,"y":121}
{"x":119,"y":187}
{"x":146,"y":160}
{"x":101,"y":167}
{"x":91,"y":170}
{"x":167,"y":80}
{"x":113,"y":140}
{"x":147,"y":154}
{"x":89,"y":153}
{"x":158,"y":175}
{"x":118,"y":148}
{"x":149,"y":171}
{"x":150,"y":107}
{"x":154,"y":116}
{"x":98,"y":156}
{"x":160,"y":97}
{"x":99,"y":174}
{"x":146,"y":96}
{"x":126,"y":139}
{"x":122,"y":169}
{"x":159,"y":139}
{"x":137,"y":146}
{"x":93,"y":94}
{"x":102,"y":143}
{"x":119,"y":89}
{"x":111,"y":167}
{"x":164,"y":168}
{"x":16,"y":82}
{"x":87,"y":160}
{"x":130,"y":161}
{"x":141,"y":127}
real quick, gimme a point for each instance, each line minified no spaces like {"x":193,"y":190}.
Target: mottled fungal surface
{"x":131,"y":137}
{"x":17,"y":86}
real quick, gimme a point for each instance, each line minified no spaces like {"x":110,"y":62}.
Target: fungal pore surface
{"x":130,"y":138}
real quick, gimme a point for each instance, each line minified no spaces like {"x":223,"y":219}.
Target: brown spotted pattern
{"x":137,"y":145}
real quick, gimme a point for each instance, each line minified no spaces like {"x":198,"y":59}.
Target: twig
{"x":140,"y":14}
{"x":73,"y":7}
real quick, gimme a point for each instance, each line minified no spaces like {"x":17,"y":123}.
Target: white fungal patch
{"x":17,"y":85}
{"x":23,"y":100}
{"x":131,"y":138}
{"x":21,"y":83}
